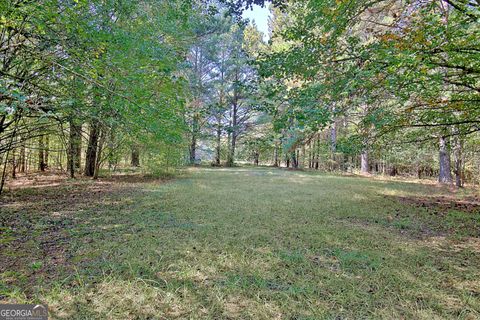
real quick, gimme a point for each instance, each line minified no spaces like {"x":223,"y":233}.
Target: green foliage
{"x":395,"y":72}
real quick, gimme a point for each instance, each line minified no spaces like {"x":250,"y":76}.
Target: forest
{"x":178,"y":159}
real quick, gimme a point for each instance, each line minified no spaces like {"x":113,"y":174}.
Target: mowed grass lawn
{"x":243,"y":243}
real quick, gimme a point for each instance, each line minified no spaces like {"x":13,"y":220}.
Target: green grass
{"x":243,"y":243}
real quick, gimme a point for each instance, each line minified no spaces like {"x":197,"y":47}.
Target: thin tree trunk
{"x":98,"y":161}
{"x":310,"y":158}
{"x":41,"y":154}
{"x":333,"y":145}
{"x":193,"y":150}
{"x":231,"y":155}
{"x":14,"y":165}
{"x":73,"y":159}
{"x":302,"y":156}
{"x":22,"y":158}
{"x":194,"y":137}
{"x":457,"y":159}
{"x":9,"y":148}
{"x":46,"y":150}
{"x":78,"y":147}
{"x":233,"y":142}
{"x":219,"y":142}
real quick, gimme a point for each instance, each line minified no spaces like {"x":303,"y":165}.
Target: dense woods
{"x":384,"y":87}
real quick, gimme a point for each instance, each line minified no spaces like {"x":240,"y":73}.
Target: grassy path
{"x":244,"y":244}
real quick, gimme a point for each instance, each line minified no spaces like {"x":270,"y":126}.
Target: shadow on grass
{"x":109,"y":250}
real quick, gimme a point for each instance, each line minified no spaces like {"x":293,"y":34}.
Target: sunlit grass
{"x":249,"y":243}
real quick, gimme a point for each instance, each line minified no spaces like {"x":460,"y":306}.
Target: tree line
{"x":388,"y":87}
{"x":385,"y":86}
{"x":92,"y":84}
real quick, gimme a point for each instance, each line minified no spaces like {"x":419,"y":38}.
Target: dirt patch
{"x":442,"y":204}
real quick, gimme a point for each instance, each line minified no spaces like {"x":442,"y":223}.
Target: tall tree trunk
{"x":301,"y":162}
{"x":91,"y":155}
{"x":193,"y":149}
{"x":23,"y":159}
{"x":78,"y":147}
{"x":333,"y":146}
{"x":275,"y":155}
{"x":364,"y":165}
{"x":365,"y":132}
{"x":14,"y":165}
{"x":74,"y":149}
{"x":218,"y":149}
{"x":41,"y":154}
{"x":444,"y":175}
{"x":294,"y":157}
{"x":310,"y":157}
{"x":98,"y":160}
{"x":457,"y":160}
{"x":233,"y":142}
{"x":46,"y":150}
{"x":231,"y":154}
{"x":135,"y":159}
{"x":193,"y":140}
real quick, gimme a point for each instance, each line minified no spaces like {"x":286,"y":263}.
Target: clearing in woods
{"x":242,"y":243}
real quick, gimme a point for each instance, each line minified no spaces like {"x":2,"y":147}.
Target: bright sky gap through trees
{"x":260,"y":15}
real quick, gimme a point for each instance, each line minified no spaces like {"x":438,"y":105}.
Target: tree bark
{"x":231,"y":154}
{"x":294,"y":157}
{"x":46,"y":150}
{"x":98,"y":160}
{"x":233,"y":142}
{"x":14,"y":165}
{"x":91,"y":155}
{"x":364,"y":165}
{"x":275,"y":156}
{"x":457,"y":160}
{"x":193,"y":149}
{"x":333,"y":146}
{"x":22,"y":158}
{"x":302,"y":156}
{"x":74,"y":148}
{"x":135,"y":159}
{"x":310,"y":155}
{"x":219,"y":142}
{"x":78,"y":148}
{"x":41,"y":154}
{"x":444,"y":175}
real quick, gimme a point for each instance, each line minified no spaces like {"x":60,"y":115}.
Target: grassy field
{"x":242,"y":243}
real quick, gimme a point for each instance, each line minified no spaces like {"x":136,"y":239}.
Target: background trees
{"x":88,"y":78}
{"x":221,"y":76}
{"x":375,"y":84}
{"x":389,"y":87}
